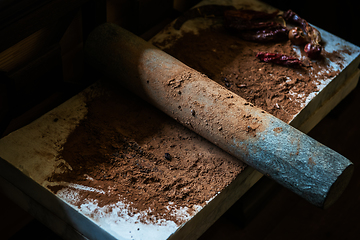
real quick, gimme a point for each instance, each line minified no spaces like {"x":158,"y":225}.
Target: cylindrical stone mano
{"x":264,"y":142}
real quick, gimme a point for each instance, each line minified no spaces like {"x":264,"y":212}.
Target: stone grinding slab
{"x":41,"y":142}
{"x":100,"y":199}
{"x":289,"y":94}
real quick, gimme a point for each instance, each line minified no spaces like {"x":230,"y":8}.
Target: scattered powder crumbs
{"x":128,"y":155}
{"x":231,"y":62}
{"x":126,"y":151}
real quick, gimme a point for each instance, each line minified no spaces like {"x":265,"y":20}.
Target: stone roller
{"x":274,"y":148}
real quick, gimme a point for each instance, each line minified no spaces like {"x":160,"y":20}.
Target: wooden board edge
{"x":331,"y":103}
{"x":196,"y":226}
{"x":46,"y":217}
{"x":53,"y":212}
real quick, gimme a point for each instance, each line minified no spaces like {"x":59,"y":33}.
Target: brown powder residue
{"x":133,"y":153}
{"x":337,"y":56}
{"x":199,"y":116}
{"x":311,"y":162}
{"x":278,"y":129}
{"x":231,"y":62}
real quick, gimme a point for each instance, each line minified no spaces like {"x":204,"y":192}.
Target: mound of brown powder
{"x":138,"y":155}
{"x":135,"y":154}
{"x":231,"y":62}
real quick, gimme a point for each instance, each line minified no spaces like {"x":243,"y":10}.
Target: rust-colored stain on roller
{"x":270,"y":152}
{"x":278,"y":129}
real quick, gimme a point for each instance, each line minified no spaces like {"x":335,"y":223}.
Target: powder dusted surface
{"x":127,"y":151}
{"x":231,"y":62}
{"x":129,"y":161}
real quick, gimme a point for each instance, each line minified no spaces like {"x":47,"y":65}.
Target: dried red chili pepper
{"x":267,"y":35}
{"x":313,"y":51}
{"x":291,"y":16}
{"x":312,"y":32}
{"x":313,"y":48}
{"x":297,"y":36}
{"x":280,"y":59}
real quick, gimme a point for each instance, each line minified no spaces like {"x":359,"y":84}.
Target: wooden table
{"x":28,"y":158}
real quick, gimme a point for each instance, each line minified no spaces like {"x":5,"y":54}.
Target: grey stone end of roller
{"x":281,"y":152}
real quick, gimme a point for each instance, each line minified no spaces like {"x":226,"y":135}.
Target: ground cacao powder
{"x":132,"y":152}
{"x":136,"y":154}
{"x":232,"y":62}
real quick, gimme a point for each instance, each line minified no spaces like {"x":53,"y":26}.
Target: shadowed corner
{"x":339,"y":186}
